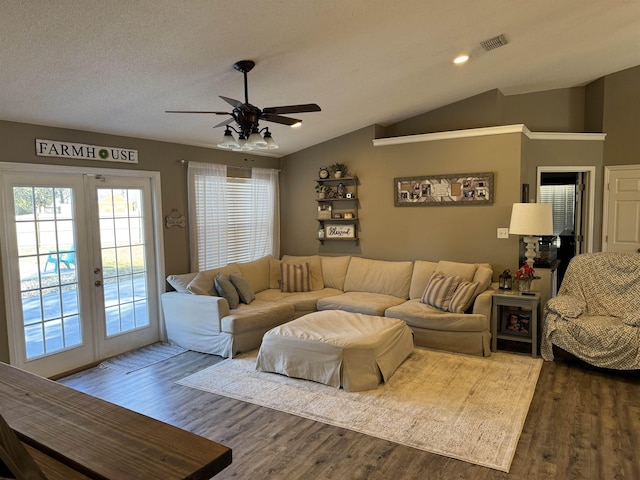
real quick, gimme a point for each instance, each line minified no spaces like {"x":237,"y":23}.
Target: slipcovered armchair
{"x":596,"y":314}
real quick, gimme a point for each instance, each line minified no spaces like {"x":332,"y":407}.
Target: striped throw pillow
{"x":295,"y":277}
{"x":463,"y":297}
{"x":440,"y":290}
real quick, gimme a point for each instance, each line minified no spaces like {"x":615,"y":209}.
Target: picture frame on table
{"x":515,"y":322}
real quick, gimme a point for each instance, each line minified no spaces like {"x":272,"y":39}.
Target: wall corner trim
{"x":484,"y":131}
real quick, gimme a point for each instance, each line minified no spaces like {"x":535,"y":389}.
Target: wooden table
{"x":521,"y":301}
{"x":99,"y":439}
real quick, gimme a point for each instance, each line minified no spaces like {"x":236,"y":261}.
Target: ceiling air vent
{"x":493,"y":43}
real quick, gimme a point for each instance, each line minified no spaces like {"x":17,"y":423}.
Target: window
{"x":231,"y":219}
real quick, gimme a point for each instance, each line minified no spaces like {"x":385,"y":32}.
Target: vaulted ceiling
{"x":115,"y":66}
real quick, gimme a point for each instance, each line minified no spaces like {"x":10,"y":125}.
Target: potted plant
{"x":322,"y":190}
{"x":338,"y":169}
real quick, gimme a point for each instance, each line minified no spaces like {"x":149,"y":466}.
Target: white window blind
{"x":562,"y":197}
{"x":231,"y":219}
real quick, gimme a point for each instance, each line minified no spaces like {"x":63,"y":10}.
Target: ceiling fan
{"x":247,"y":118}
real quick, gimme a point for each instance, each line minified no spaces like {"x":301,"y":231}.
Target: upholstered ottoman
{"x":342,"y":349}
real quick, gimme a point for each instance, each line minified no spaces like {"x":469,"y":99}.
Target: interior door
{"x":622,"y":201}
{"x":78,"y":269}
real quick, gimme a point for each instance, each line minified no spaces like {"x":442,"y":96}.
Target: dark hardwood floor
{"x":583,"y":423}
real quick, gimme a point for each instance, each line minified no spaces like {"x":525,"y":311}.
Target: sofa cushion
{"x":202,"y":284}
{"x":295,"y":277}
{"x":242,"y":286}
{"x":440,"y":290}
{"x":422,"y":272}
{"x":360,"y":302}
{"x":225,"y":289}
{"x":567,"y":306}
{"x":274,"y":273}
{"x":315,"y":268}
{"x":420,"y":315}
{"x":379,"y":276}
{"x":301,"y":301}
{"x":463,"y":297}
{"x":483,"y":277}
{"x":257,"y":316}
{"x":181,"y":282}
{"x":453,"y":269}
{"x":257,"y":273}
{"x":334,"y":271}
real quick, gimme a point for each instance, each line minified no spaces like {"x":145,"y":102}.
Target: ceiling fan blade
{"x":307,"y":107}
{"x":231,"y":101}
{"x":194,"y":111}
{"x":223,"y":123}
{"x":279,"y":119}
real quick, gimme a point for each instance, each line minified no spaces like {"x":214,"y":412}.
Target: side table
{"x":511,"y":324}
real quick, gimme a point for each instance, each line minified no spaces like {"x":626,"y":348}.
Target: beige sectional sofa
{"x":198,"y":318}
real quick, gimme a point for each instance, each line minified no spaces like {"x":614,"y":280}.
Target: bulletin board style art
{"x":444,"y":190}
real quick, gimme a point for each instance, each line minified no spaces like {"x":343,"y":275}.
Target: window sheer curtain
{"x":265,"y":213}
{"x":208,"y":215}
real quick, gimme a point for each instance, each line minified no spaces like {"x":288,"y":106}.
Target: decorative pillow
{"x":440,"y":290}
{"x":567,"y":306}
{"x":242,"y":286}
{"x":295,"y":277}
{"x":632,"y":319}
{"x":225,"y":289}
{"x":463,"y":297}
{"x":181,"y":282}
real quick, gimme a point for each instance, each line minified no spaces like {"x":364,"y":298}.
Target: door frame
{"x":605,"y":200}
{"x":156,"y":213}
{"x":590,"y":188}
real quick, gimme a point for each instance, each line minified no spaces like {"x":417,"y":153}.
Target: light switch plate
{"x":503,"y":233}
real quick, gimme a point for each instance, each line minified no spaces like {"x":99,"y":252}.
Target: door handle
{"x":98,"y":283}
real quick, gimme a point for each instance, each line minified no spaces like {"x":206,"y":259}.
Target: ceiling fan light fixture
{"x":269,"y":141}
{"x":297,"y":124}
{"x":227,"y":140}
{"x":256,"y":140}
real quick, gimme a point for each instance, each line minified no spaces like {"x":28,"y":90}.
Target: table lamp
{"x":532,"y":220}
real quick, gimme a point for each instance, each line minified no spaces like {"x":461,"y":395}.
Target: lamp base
{"x":530,"y":253}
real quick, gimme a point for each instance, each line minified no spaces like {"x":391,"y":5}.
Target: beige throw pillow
{"x":440,"y":290}
{"x":463,"y":297}
{"x":295,"y":277}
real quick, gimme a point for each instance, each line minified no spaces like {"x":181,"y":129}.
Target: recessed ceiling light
{"x":460,"y":59}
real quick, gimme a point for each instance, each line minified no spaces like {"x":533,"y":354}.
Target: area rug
{"x":460,"y":406}
{"x":142,"y":357}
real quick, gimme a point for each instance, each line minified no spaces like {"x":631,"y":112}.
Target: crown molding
{"x":485,"y":131}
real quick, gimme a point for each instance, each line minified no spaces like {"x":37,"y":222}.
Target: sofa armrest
{"x":186,"y":313}
{"x":482,"y":303}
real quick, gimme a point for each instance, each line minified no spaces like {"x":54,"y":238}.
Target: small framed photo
{"x":515,"y":322}
{"x":337,"y":215}
{"x":348,"y":215}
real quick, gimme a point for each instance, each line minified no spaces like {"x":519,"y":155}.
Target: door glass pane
{"x":47,"y":264}
{"x":123,"y":259}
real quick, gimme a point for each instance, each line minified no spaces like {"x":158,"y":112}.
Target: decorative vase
{"x":338,"y":174}
{"x":524,"y":284}
{"x":322,"y":195}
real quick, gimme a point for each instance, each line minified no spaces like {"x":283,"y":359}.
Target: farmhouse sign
{"x":52,"y":148}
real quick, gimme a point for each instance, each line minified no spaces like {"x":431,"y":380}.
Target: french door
{"x":79,"y":268}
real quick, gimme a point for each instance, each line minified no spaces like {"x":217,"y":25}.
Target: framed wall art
{"x":444,"y":190}
{"x":340,"y":230}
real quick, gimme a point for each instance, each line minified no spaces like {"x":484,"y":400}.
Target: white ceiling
{"x":114,"y":66}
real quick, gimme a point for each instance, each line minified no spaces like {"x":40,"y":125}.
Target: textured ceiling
{"x":115,"y":66}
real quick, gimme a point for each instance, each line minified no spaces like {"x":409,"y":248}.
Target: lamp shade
{"x":533,"y":219}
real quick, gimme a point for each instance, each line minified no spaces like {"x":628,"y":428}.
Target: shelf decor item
{"x":323,"y":173}
{"x":505,"y":280}
{"x":322,"y":190}
{"x":340,"y":231}
{"x":339,"y":170}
